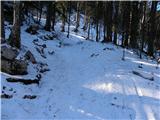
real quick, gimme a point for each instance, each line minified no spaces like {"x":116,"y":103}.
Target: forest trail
{"x":86,"y":80}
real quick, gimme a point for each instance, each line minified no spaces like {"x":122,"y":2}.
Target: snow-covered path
{"x":87,"y":80}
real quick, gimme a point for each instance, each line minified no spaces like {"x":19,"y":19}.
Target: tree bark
{"x":49,"y":14}
{"x":134,"y":24}
{"x":104,"y":21}
{"x":97,"y":33}
{"x":152,"y":28}
{"x":109,"y":21}
{"x":15,"y":38}
{"x":2,"y":22}
{"x":143,"y":20}
{"x":97,"y":20}
{"x":126,"y":20}
{"x":77,"y":17}
{"x":116,"y":21}
{"x":89,"y":25}
{"x":63,"y":19}
{"x":85,"y":17}
{"x":69,"y":15}
{"x":53,"y":15}
{"x":40,"y":14}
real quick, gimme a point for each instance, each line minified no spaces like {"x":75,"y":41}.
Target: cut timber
{"x":143,"y":75}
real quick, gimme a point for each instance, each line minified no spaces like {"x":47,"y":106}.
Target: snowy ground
{"x":87,"y":80}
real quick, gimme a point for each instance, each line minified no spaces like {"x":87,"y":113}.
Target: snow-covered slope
{"x":87,"y":80}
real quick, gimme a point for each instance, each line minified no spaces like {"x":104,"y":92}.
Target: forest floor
{"x":84,"y":80}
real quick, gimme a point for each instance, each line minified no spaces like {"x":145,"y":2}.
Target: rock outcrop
{"x":10,"y":64}
{"x":14,"y":67}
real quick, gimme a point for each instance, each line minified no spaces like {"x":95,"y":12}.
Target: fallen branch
{"x":143,"y":76}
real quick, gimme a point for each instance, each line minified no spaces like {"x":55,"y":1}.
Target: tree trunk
{"x":123,"y":22}
{"x":97,"y":20}
{"x":152,"y":28}
{"x":40,"y":14}
{"x":109,"y":21}
{"x":49,"y":14}
{"x":63,"y":19}
{"x":37,"y":14}
{"x":85,"y":17}
{"x":53,"y":15}
{"x":134,"y":24}
{"x":69,"y":15}
{"x":126,"y":21}
{"x":123,"y":55}
{"x":89,"y":25}
{"x":99,"y":37}
{"x":116,"y":21}
{"x":97,"y":32}
{"x":104,"y":33}
{"x":15,"y":38}
{"x":104,"y":22}
{"x":143,"y":20}
{"x":2,"y":22}
{"x":123,"y":40}
{"x":77,"y":17}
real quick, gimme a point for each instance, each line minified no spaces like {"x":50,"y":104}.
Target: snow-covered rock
{"x":29,"y":56}
{"x":8,"y":52}
{"x":9,"y":63}
{"x":14,"y":67}
{"x":19,"y":67}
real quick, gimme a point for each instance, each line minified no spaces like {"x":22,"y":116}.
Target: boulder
{"x":5,"y":66}
{"x":19,"y":67}
{"x":29,"y":56}
{"x":8,"y":53}
{"x":14,"y":67}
